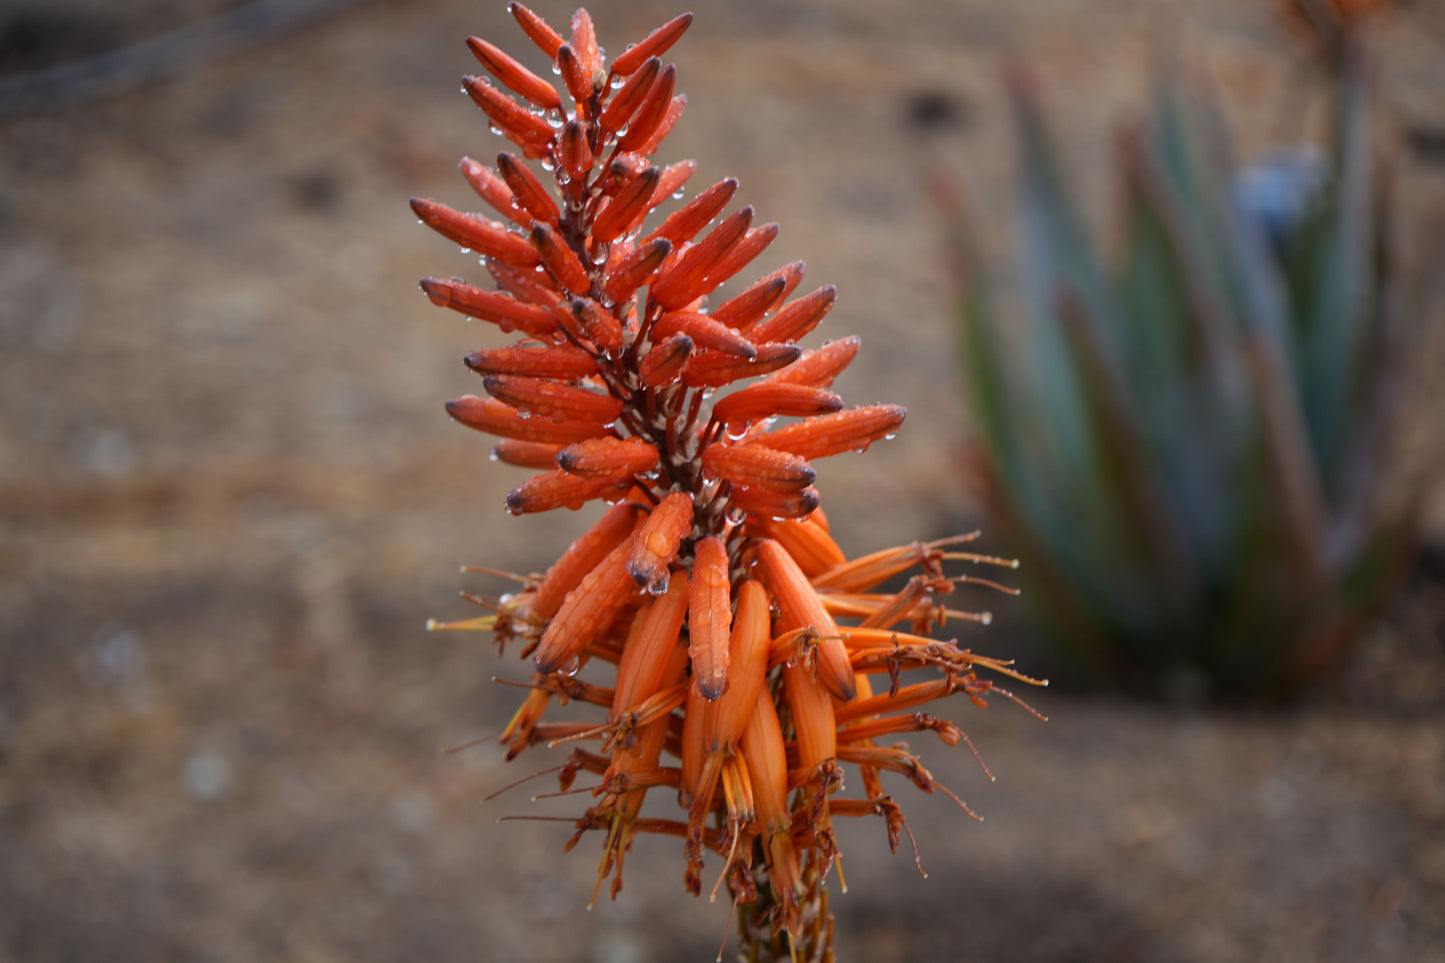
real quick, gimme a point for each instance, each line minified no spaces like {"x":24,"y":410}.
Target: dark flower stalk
{"x":711,"y":584}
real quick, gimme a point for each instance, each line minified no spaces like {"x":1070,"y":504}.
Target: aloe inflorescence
{"x":741,"y":661}
{"x":1191,"y":446}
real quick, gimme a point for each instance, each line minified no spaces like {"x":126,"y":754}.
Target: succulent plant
{"x":1190,"y":446}
{"x":708,"y":613}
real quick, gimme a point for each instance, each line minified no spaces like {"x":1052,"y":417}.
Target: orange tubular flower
{"x":753,"y":660}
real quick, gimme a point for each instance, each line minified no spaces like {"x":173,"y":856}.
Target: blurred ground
{"x":229,"y":498}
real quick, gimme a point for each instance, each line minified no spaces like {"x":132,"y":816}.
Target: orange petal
{"x":747,"y":668}
{"x":713,"y":369}
{"x":812,"y":713}
{"x":764,"y":400}
{"x":769,"y":503}
{"x":824,"y":435}
{"x":586,"y":612}
{"x":480,"y":234}
{"x":506,"y":312}
{"x":763,"y":748}
{"x":643,"y":668}
{"x":627,"y":208}
{"x":608,"y":456}
{"x":708,"y":613}
{"x":525,"y":284}
{"x":741,"y":254}
{"x":560,"y":259}
{"x":536,"y":28}
{"x":598,"y":324}
{"x":797,"y":318}
{"x":559,"y":361}
{"x":576,"y":153}
{"x":629,"y":97}
{"x":807,"y":541}
{"x":757,"y":467}
{"x":539,"y":396}
{"x":526,"y":454}
{"x":527,"y":189}
{"x":494,"y":417}
{"x":558,"y":489}
{"x":705,"y":333}
{"x":654,"y":44}
{"x":514,"y":75}
{"x":516,"y":123}
{"x":665,"y":362}
{"x":819,"y":368}
{"x":684,"y":223}
{"x":674,"y":176}
{"x":614,"y":528}
{"x":584,"y":44}
{"x":687,"y":278}
{"x":634,"y":270}
{"x":801,"y":607}
{"x":492,"y":189}
{"x":657,"y":541}
{"x":665,"y":125}
{"x":575,"y":76}
{"x":651,"y":112}
{"x":751,"y":304}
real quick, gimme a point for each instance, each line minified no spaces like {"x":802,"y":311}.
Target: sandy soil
{"x":229,"y":498}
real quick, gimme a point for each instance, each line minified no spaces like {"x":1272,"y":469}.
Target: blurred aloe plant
{"x":1191,"y":445}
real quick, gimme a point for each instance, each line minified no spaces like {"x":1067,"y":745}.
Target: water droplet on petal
{"x":890,"y":436}
{"x":658,"y":586}
{"x":524,"y":413}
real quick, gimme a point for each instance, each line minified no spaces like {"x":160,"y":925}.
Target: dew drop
{"x":465,"y":250}
{"x":791,"y":663}
{"x":493,"y":456}
{"x":985,"y":618}
{"x":677,"y":194}
{"x":524,"y":413}
{"x":648,"y":475}
{"x":658,"y":586}
{"x":860,"y":449}
{"x":495,"y":129}
{"x":569,"y":668}
{"x":617,"y":82}
{"x":557,"y":69}
{"x":708,"y":392}
{"x":737,"y":515}
{"x":736,"y":435}
{"x":548,"y":164}
{"x":890,"y":436}
{"x":556,"y":120}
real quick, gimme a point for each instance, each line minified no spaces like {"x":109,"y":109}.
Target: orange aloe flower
{"x":740,"y":659}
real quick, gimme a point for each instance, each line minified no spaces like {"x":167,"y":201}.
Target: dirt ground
{"x":229,"y":498}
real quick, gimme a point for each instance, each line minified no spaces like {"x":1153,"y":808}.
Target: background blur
{"x":229,"y":498}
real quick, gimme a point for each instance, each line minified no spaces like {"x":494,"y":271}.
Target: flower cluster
{"x":712,"y":583}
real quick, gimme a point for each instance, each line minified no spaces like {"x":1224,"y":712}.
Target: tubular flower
{"x":753,"y":660}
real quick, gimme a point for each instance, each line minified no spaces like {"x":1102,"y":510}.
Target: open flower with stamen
{"x":746,"y":664}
